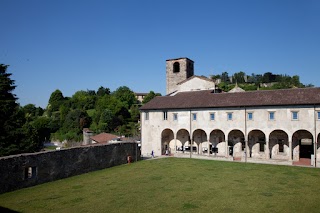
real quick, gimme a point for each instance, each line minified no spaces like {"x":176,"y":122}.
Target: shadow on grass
{"x":6,"y":210}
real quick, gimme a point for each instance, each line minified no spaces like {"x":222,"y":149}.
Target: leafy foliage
{"x":266,"y":81}
{"x":150,"y":96}
{"x":16,"y":135}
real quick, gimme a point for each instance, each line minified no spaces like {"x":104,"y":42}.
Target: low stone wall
{"x":24,"y":170}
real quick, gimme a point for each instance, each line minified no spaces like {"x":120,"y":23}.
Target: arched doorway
{"x":182,"y":140}
{"x":236,"y":143}
{"x":217,"y":143}
{"x":256,"y":144}
{"x":279,"y":145}
{"x":167,"y":140}
{"x":302,"y":144}
{"x":200,"y":142}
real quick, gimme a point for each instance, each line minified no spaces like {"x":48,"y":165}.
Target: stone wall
{"x":24,"y":170}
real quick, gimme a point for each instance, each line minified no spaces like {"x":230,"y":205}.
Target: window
{"x":294,"y":115}
{"x":250,"y":116}
{"x":146,"y":116}
{"x":229,"y":116}
{"x":30,"y":172}
{"x":194,"y":116}
{"x":175,"y":116}
{"x":165,"y":115}
{"x":212,"y":116}
{"x":318,"y":113}
{"x":271,"y":116}
{"x":176,"y":67}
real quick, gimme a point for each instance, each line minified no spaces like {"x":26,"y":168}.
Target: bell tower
{"x":178,"y":70}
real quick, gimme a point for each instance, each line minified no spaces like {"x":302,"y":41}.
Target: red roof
{"x":104,"y":137}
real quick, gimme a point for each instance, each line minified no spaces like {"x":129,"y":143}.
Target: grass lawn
{"x":176,"y":185}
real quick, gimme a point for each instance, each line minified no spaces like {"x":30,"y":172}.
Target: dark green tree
{"x":126,"y":96}
{"x":56,"y":99}
{"x":75,"y":121}
{"x":103,"y":91}
{"x":239,"y":77}
{"x":15,"y":136}
{"x":225,"y":77}
{"x":150,"y":96}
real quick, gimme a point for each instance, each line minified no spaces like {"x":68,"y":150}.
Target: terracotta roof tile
{"x":103,"y":137}
{"x":207,"y":99}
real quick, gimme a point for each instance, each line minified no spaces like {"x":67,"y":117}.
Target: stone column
{"x":208,"y":139}
{"x":290,"y":150}
{"x":227,"y":151}
{"x":175,"y":144}
{"x":267,"y":149}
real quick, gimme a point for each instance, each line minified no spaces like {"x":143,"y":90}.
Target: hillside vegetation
{"x":267,"y":81}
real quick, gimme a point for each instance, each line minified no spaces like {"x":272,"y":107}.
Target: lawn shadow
{"x":6,"y":210}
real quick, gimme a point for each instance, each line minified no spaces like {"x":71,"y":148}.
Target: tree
{"x":42,"y":126}
{"x":103,"y":91}
{"x":31,"y":111}
{"x":83,"y":100}
{"x":15,"y":136}
{"x":56,"y":99}
{"x":239,"y":77}
{"x":224,"y":77}
{"x":75,"y":121}
{"x":126,"y":96}
{"x":135,"y":113}
{"x":106,"y":118}
{"x":8,"y":112}
{"x":150,"y":96}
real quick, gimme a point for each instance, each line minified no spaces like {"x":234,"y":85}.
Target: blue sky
{"x":76,"y":45}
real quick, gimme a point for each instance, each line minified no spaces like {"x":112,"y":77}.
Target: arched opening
{"x":302,"y":144}
{"x":279,"y":145}
{"x":176,"y":67}
{"x":256,"y":144}
{"x":217,"y":143}
{"x":183,"y":138}
{"x":167,"y":141}
{"x":236,"y":143}
{"x":200,"y":142}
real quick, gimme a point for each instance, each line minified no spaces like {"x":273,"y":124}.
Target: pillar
{"x":208,"y":140}
{"x":267,"y":149}
{"x":290,"y":150}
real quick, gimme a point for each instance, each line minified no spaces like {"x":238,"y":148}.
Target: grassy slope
{"x":176,"y":185}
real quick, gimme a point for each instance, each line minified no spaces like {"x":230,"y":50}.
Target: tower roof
{"x":173,"y":59}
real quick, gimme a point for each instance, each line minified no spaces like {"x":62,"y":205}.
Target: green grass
{"x":48,"y":148}
{"x":176,"y":185}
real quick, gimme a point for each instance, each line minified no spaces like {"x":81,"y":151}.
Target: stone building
{"x":274,"y":125}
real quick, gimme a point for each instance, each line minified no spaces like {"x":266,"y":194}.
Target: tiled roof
{"x":207,"y":99}
{"x":103,"y":137}
{"x":179,"y":59}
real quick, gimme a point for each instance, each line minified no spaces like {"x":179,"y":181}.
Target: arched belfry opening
{"x":178,"y":70}
{"x":176,"y":67}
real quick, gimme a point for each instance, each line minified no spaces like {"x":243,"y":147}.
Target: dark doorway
{"x":306,"y":148}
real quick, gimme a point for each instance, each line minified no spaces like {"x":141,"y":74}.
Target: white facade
{"x":195,"y":83}
{"x":281,"y":125}
{"x":279,"y":138}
